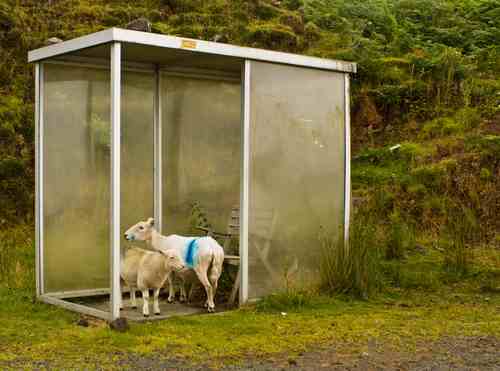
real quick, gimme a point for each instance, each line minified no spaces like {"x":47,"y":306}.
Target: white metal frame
{"x":39,"y":178}
{"x":347,"y":154}
{"x":80,"y":308}
{"x":244,"y":178}
{"x":196,"y":46}
{"x":115,"y":179}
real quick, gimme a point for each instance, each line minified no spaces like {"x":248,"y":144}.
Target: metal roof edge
{"x":72,"y":45}
{"x":193,"y":45}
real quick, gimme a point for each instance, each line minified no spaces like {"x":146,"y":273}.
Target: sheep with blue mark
{"x":202,"y":255}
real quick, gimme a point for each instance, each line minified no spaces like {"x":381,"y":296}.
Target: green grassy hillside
{"x":428,"y":79}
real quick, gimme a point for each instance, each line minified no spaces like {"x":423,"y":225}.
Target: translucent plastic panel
{"x":77,"y":170}
{"x":76,"y":177}
{"x":296,"y":172}
{"x":137,"y":161}
{"x":201,"y":152}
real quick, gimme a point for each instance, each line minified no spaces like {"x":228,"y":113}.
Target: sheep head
{"x":173,"y":260}
{"x":141,"y":231}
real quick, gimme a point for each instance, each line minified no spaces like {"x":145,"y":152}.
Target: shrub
{"x":351,"y":268}
{"x":400,"y":238}
{"x":461,"y":232}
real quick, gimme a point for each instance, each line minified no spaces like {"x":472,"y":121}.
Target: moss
{"x":294,"y":21}
{"x":485,"y":174}
{"x":433,"y":175}
{"x":266,"y":11}
{"x":271,"y":35}
{"x":487,"y":145}
{"x":417,"y":191}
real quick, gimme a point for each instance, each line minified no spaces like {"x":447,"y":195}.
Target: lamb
{"x":146,"y":270}
{"x":203,"y":255}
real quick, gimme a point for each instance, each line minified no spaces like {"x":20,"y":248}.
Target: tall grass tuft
{"x":400,"y":238}
{"x":352,"y":268}
{"x":461,"y":232}
{"x":17,"y":257}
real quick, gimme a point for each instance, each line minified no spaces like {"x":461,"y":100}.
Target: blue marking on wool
{"x":192,"y":253}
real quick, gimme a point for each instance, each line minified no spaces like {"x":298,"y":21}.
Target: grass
{"x":401,"y":315}
{"x":33,"y":331}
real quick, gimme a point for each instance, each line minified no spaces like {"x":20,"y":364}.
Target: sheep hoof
{"x":134,"y":307}
{"x":211,"y":310}
{"x":170,"y":300}
{"x":146,"y":315}
{"x":157,"y":314}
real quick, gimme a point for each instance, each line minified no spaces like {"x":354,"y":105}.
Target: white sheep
{"x":147,"y":270}
{"x":203,"y":255}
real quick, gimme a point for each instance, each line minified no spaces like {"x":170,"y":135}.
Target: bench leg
{"x":236,"y":287}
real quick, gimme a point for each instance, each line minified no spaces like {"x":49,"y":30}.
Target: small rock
{"x":119,"y":324}
{"x":139,"y":24}
{"x":53,"y":40}
{"x":218,"y":38}
{"x":283,"y":314}
{"x":83,"y":322}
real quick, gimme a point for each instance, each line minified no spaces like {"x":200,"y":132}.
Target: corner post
{"x":39,"y":178}
{"x":347,"y":154}
{"x":244,"y":179}
{"x":115,"y":179}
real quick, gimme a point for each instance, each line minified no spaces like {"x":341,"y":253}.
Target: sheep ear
{"x":151,"y":222}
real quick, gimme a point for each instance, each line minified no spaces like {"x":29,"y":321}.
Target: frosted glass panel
{"x":76,"y":178}
{"x":77,"y":170}
{"x":137,"y":161}
{"x":296,"y":172}
{"x":201,"y":151}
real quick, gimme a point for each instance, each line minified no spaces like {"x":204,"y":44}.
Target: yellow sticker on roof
{"x":188,"y":44}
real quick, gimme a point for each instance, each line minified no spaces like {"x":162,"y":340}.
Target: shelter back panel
{"x":201,"y":152}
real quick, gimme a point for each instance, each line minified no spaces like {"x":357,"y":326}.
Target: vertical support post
{"x":347,"y":146}
{"x":158,"y":196}
{"x":244,"y":179}
{"x":115,"y":179}
{"x":39,"y":178}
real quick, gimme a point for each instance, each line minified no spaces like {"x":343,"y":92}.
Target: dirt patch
{"x":458,"y":353}
{"x":462,"y":353}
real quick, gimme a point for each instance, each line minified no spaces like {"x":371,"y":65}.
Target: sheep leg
{"x":156,"y":306}
{"x":183,"y":297}
{"x":132,"y":297}
{"x":213,"y":277}
{"x":202,"y":276}
{"x":145,"y":305}
{"x":171,"y":288}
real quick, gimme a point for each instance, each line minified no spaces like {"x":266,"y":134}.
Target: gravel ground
{"x":451,"y":353}
{"x":464,"y":353}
